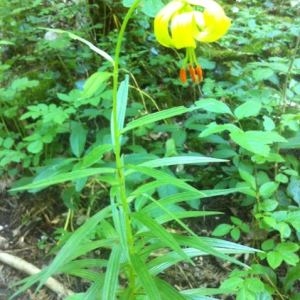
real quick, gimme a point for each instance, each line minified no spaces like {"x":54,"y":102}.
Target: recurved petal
{"x":183,"y":30}
{"x":162,"y":22}
{"x":216,"y":23}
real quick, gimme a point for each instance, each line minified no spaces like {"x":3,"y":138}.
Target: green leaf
{"x":248,"y":109}
{"x":274,"y":259}
{"x":235,"y":233}
{"x":184,"y":215}
{"x":35,"y":146}
{"x":260,"y":74}
{"x":122,"y":98}
{"x":180,"y":160}
{"x":222,"y":229}
{"x":254,"y":285}
{"x":256,"y":141}
{"x":212,"y":105}
{"x":144,"y":277}
{"x":268,"y":245}
{"x":268,"y":123}
{"x":160,"y":175}
{"x":202,"y":293}
{"x":232,"y":284}
{"x":294,"y":189}
{"x":269,"y":205}
{"x":94,"y":83}
{"x":247,"y":177}
{"x":93,"y":156}
{"x":112,"y":274}
{"x":210,"y":246}
{"x":291,"y":277}
{"x":151,"y":7}
{"x":63,"y":177}
{"x":157,"y":116}
{"x":268,"y":189}
{"x":287,"y":247}
{"x":213,"y":128}
{"x":160,"y":232}
{"x":290,"y":258}
{"x":77,"y":138}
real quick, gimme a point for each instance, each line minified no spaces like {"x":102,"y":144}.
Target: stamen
{"x":182,"y":75}
{"x":199,"y":73}
{"x":192,"y":73}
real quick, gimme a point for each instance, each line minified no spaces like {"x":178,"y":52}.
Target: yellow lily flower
{"x":181,"y":23}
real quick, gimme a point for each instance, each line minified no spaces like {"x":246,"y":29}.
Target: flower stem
{"x":121,"y":196}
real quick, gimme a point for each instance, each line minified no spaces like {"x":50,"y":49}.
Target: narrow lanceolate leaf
{"x":201,"y":244}
{"x":184,"y":215}
{"x":144,"y":277}
{"x":157,"y":116}
{"x":89,"y":44}
{"x":112,"y":274}
{"x":172,"y":199}
{"x":63,"y":177}
{"x":160,"y":175}
{"x":160,"y":232}
{"x":122,"y":98}
{"x":182,"y":160}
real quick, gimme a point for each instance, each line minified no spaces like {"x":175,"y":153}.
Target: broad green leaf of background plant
{"x":268,"y":189}
{"x":294,"y":189}
{"x":77,"y":138}
{"x":256,"y":141}
{"x":94,"y":83}
{"x":213,"y":128}
{"x":213,"y":105}
{"x":149,"y":7}
{"x":248,"y":109}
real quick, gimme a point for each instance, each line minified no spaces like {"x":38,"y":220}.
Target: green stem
{"x":121,"y":197}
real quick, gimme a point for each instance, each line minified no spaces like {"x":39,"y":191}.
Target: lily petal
{"x":162,"y":20}
{"x":216,"y":22}
{"x":183,"y":30}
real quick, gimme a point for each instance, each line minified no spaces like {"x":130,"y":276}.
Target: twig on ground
{"x":28,"y":268}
